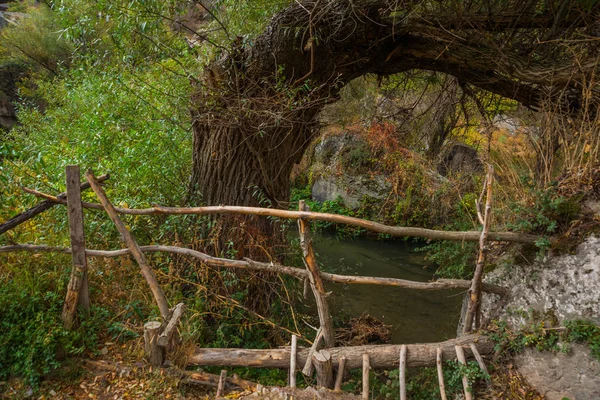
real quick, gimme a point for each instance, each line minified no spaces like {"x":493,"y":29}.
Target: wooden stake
{"x":293,"y":361}
{"x":308,"y":365}
{"x":166,"y":337}
{"x":324,"y":368}
{"x":132,"y":245}
{"x":403,"y":372}
{"x":475,"y":289}
{"x":365,"y":376}
{"x":460,"y":355}
{"x":438,"y":362}
{"x":481,"y":363}
{"x":221,"y":387}
{"x":340,"y":374}
{"x":316,"y":282}
{"x":77,"y":290}
{"x":154,"y":352}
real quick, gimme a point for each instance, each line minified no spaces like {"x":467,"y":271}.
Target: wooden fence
{"x":161,"y":337}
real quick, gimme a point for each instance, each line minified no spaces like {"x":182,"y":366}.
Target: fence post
{"x":316,"y":282}
{"x":77,"y":290}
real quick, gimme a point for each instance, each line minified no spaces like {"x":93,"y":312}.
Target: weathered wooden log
{"x":440,"y":373}
{"x":316,"y":282}
{"x":324,"y":367}
{"x":399,"y":231}
{"x":132,"y":245}
{"x":381,"y":356}
{"x":460,"y":355}
{"x":481,"y":363}
{"x":402,"y":373}
{"x":166,"y":337}
{"x":221,"y":385}
{"x":154,"y":352}
{"x":77,"y":289}
{"x":441,"y":284}
{"x":293,"y":350}
{"x":340,"y":374}
{"x":40,"y":208}
{"x":366,"y":368}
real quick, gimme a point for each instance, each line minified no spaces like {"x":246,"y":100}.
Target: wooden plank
{"x":402,"y":374}
{"x":316,"y":282}
{"x":40,"y":208}
{"x":132,"y":245}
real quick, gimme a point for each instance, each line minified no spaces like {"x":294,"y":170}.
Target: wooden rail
{"x":469,"y":236}
{"x":440,"y":284}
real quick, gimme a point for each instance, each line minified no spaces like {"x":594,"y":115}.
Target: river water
{"x":416,"y":316}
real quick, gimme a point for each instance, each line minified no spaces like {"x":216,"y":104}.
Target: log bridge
{"x":161,"y":336}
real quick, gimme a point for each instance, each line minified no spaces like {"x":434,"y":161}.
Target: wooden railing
{"x":160,"y":335}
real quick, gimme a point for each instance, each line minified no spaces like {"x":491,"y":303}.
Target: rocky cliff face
{"x":561,"y":288}
{"x":565,"y":287}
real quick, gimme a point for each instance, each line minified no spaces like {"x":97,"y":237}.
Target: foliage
{"x":547,"y":213}
{"x":424,"y":384}
{"x":32,"y":338}
{"x":35,"y":41}
{"x":454,"y":259}
{"x":544,"y":337}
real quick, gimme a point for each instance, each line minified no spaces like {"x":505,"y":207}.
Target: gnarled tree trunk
{"x":257,"y":106}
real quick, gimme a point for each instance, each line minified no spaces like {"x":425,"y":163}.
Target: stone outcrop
{"x":333,"y":179}
{"x":574,"y":375}
{"x":555,"y":289}
{"x":566,"y":287}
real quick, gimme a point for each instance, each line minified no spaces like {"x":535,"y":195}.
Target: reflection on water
{"x":416,"y":316}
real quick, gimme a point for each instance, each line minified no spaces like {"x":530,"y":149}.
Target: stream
{"x":416,"y":316}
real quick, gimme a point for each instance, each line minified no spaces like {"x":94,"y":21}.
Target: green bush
{"x":32,"y":338}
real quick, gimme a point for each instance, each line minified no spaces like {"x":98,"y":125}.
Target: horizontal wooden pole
{"x":380,"y":356}
{"x":441,"y":284}
{"x":469,"y":236}
{"x":40,"y":208}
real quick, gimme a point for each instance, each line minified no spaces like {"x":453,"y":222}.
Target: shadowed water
{"x":416,"y":316}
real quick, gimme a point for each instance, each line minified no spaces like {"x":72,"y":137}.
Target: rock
{"x":575,"y":375}
{"x":565,"y":287}
{"x":351,"y":186}
{"x":460,"y":158}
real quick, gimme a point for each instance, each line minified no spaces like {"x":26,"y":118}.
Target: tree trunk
{"x":255,"y":108}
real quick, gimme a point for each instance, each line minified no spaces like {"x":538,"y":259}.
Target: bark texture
{"x":257,"y":105}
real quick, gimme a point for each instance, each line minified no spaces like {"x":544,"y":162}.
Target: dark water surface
{"x":416,"y":316}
